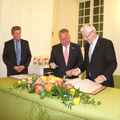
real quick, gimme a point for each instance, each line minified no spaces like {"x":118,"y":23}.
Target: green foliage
{"x":67,"y":97}
{"x":42,"y":93}
{"x":32,"y":90}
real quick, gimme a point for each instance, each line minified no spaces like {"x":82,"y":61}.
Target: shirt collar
{"x":67,"y":45}
{"x":16,"y":40}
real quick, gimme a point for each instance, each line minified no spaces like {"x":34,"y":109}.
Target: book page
{"x":85,"y":85}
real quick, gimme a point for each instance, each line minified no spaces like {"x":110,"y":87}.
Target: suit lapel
{"x":62,"y":55}
{"x":22,"y":50}
{"x":13,"y":49}
{"x":87,"y":51}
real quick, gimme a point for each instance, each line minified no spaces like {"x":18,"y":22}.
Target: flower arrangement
{"x":40,"y":61}
{"x":50,"y":86}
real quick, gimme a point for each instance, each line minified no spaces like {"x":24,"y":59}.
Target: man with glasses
{"x":100,"y":59}
{"x":65,"y":55}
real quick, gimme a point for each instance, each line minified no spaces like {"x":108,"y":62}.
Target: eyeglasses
{"x":88,"y":35}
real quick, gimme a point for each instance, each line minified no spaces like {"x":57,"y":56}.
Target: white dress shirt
{"x":92,"y":47}
{"x":68,"y":49}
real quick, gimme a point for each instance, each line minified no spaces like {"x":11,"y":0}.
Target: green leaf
{"x":98,"y":103}
{"x":48,"y":94}
{"x":59,"y":89}
{"x":31,"y":90}
{"x":42,"y":93}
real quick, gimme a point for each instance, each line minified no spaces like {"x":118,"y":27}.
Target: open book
{"x":86,"y":85}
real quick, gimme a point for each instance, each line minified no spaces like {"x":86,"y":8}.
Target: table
{"x":20,"y":105}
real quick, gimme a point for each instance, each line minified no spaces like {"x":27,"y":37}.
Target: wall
{"x":112,"y":26}
{"x":56,"y":22}
{"x":65,"y":16}
{"x":35,"y":18}
{"x":69,"y":17}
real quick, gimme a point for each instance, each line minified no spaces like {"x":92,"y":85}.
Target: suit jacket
{"x":75,"y":57}
{"x":103,"y":61}
{"x":9,"y":56}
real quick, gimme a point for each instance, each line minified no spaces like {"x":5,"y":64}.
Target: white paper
{"x":85,"y":85}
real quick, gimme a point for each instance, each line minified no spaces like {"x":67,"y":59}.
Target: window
{"x":90,"y":11}
{"x":98,"y":9}
{"x":84,"y":18}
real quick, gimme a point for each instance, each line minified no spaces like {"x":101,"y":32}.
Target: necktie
{"x":66,"y":55}
{"x":18,"y":53}
{"x":90,"y":55}
{"x":90,"y":52}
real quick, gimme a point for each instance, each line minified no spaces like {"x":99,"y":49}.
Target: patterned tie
{"x":18,"y":52}
{"x":90,"y":52}
{"x":66,"y":55}
{"x":89,"y":55}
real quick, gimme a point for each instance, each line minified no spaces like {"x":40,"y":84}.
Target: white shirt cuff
{"x":104,"y":77}
{"x":79,"y":70}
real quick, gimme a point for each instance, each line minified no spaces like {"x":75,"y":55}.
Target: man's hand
{"x":19,"y":68}
{"x":76,"y":72}
{"x":100,"y":79}
{"x":69,"y":73}
{"x":53,"y":65}
{"x":16,"y":68}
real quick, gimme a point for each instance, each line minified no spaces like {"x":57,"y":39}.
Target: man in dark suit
{"x":16,"y":54}
{"x":65,"y":56}
{"x":100,"y":59}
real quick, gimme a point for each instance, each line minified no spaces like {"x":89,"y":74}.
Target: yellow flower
{"x":44,"y":78}
{"x":58,"y":78}
{"x":72,"y":91}
{"x":19,"y":82}
{"x":53,"y":79}
{"x":24,"y":80}
{"x":76,"y":100}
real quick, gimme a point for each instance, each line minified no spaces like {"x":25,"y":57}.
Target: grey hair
{"x":88,"y":27}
